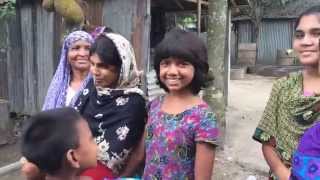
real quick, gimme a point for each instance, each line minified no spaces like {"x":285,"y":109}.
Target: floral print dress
{"x":171,"y":140}
{"x":116,"y":119}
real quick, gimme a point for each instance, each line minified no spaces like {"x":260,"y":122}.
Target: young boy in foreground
{"x":59,"y":142}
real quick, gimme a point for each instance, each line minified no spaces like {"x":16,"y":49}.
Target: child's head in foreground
{"x":185,"y":50}
{"x":59,"y":140}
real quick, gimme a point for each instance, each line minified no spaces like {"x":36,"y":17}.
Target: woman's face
{"x":306,"y":40}
{"x":78,"y":55}
{"x":105,"y":75}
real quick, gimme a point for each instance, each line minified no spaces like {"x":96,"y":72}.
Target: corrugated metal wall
{"x":274,"y":34}
{"x":132,"y":19}
{"x":33,"y":49}
{"x":3,"y":60}
{"x":31,"y":57}
{"x":14,"y":65}
{"x":245,"y":32}
{"x":30,"y":46}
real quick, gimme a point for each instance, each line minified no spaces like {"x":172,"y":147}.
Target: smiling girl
{"x":181,"y":133}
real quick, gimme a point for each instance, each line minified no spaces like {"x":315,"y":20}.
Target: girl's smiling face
{"x":176,"y":74}
{"x":306,"y":39}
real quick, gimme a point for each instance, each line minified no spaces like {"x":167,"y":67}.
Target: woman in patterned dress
{"x":113,"y":104}
{"x":293,"y":105}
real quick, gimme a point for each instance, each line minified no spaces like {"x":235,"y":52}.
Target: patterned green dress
{"x":287,"y":115}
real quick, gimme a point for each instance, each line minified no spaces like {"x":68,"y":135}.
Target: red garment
{"x":98,"y":173}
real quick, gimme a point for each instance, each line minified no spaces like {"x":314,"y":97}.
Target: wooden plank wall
{"x":45,"y":52}
{"x":31,"y":58}
{"x":123,"y":10}
{"x":132,"y":20}
{"x":28,"y":58}
{"x":93,"y":12}
{"x":15,"y":65}
{"x":3,"y":61}
{"x":3,"y":75}
{"x":38,"y":54}
{"x":34,"y":41}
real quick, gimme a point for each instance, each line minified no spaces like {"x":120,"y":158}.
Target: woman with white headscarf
{"x":113,"y":103}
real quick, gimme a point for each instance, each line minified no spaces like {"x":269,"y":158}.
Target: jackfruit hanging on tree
{"x":70,"y":10}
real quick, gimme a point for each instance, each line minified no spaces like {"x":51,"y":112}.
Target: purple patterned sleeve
{"x":207,"y":130}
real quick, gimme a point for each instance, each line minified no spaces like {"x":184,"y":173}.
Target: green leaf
{"x":8,"y":9}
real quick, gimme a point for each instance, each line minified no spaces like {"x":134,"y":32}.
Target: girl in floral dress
{"x":181,"y":133}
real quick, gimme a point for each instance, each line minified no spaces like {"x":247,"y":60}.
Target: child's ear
{"x":73,"y":158}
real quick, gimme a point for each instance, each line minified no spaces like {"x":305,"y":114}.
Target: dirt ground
{"x":241,"y":157}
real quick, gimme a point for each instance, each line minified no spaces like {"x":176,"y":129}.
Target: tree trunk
{"x":215,"y":94}
{"x":259,"y":11}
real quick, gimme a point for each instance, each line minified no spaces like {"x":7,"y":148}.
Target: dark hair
{"x":108,"y":30}
{"x":47,"y":137}
{"x":106,"y":50}
{"x":188,"y":46}
{"x":311,"y":11}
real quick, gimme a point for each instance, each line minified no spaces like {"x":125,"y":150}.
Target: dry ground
{"x":241,"y":157}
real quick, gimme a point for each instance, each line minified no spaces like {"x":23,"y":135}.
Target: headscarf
{"x":56,"y":94}
{"x":116,"y":116}
{"x":306,"y":160}
{"x":129,"y":75}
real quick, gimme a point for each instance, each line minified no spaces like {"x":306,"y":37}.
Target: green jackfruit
{"x":70,"y":11}
{"x":48,"y":5}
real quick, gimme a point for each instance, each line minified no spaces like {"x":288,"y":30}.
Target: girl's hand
{"x":31,"y":171}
